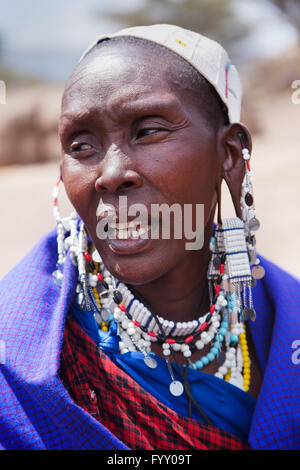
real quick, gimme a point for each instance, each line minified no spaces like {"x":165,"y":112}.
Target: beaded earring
{"x":235,"y":238}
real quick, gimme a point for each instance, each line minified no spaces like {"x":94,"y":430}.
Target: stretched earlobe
{"x":235,"y":138}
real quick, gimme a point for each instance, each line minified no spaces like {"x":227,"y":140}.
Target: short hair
{"x":211,"y":105}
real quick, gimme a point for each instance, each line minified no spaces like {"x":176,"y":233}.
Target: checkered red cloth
{"x":132,"y":414}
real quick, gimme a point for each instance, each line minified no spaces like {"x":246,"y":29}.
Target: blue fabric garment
{"x":36,"y":412}
{"x":228,"y":407}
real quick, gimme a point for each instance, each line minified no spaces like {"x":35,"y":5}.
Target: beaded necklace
{"x":138,"y":327}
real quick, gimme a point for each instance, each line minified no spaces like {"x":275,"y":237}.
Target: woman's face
{"x":129,"y":129}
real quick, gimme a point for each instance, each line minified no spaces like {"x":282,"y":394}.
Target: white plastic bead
{"x":199,"y":344}
{"x":187,"y":353}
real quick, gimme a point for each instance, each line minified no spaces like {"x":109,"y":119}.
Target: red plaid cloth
{"x":137,"y":418}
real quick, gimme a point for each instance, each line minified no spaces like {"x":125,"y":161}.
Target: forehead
{"x":120,"y":75}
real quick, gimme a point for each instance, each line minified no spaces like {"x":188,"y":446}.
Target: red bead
{"x":203,"y":326}
{"x":100,"y":277}
{"x":87,"y":257}
{"x":151,"y":333}
{"x":212,"y":308}
{"x":189,"y":339}
{"x":248,"y":165}
{"x":170,"y":341}
{"x":218,"y":288}
{"x":122,"y":307}
{"x":136,"y":323}
{"x":55,"y":202}
{"x":222,"y":266}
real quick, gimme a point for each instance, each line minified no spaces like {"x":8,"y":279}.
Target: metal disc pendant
{"x":258,"y":272}
{"x":254,"y":224}
{"x":252,"y":314}
{"x":150,"y":362}
{"x":176,"y":388}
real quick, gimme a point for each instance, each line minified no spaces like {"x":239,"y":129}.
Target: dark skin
{"x":124,"y":132}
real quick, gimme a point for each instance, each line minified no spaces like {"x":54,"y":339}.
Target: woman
{"x":146,"y":340}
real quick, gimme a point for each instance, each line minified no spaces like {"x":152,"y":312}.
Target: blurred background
{"x":40,"y":43}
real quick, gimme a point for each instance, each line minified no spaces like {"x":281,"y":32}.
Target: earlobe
{"x":235,"y":138}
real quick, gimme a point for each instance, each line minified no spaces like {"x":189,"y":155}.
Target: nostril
{"x":127,"y":184}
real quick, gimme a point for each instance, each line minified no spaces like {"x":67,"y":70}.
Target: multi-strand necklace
{"x":139,"y":328}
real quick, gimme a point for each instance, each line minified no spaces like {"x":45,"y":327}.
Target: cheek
{"x":78,"y":182}
{"x":184,"y":175}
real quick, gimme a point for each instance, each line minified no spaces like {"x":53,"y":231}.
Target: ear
{"x":234,"y":138}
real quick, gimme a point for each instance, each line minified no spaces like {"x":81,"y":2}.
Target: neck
{"x":178,"y":295}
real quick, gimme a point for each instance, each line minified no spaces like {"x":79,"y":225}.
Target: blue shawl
{"x":36,"y":411}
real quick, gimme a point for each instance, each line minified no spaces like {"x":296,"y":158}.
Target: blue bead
{"x":214,"y":351}
{"x":199,"y":364}
{"x":204,"y":360}
{"x":234,"y":338}
{"x":222,"y":331}
{"x":210,"y":356}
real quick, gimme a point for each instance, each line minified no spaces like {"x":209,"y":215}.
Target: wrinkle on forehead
{"x":115,"y":84}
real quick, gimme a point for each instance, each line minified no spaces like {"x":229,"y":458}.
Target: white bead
{"x":217,"y":374}
{"x":223,"y":370}
{"x":166,"y":346}
{"x":176,"y":347}
{"x":184,"y":347}
{"x":199,"y":344}
{"x":166,"y":352}
{"x":125,"y":350}
{"x":125,"y":323}
{"x":131,"y":348}
{"x":131,"y":331}
{"x":187,"y":353}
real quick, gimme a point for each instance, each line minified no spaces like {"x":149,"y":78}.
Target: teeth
{"x":123,"y":225}
{"x":124,"y":234}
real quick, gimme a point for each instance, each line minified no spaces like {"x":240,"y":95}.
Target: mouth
{"x":130,"y":237}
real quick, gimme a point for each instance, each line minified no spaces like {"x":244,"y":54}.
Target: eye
{"x":149,"y":132}
{"x":80,"y":146}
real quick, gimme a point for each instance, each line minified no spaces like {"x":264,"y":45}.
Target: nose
{"x":115,"y":175}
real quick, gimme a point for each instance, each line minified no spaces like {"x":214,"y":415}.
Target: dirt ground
{"x":26,"y":192}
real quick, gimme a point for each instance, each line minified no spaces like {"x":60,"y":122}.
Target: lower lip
{"x":129,"y":246}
